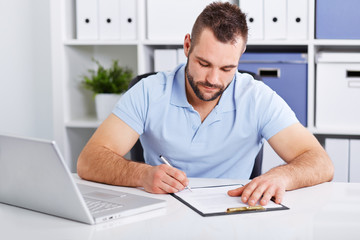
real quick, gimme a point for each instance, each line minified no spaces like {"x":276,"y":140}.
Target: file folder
{"x":109,"y":19}
{"x":128,"y":19}
{"x":172,"y":19}
{"x":275,"y":19}
{"x":214,"y":201}
{"x":87,"y":19}
{"x":297,"y":19}
{"x":254,"y":10}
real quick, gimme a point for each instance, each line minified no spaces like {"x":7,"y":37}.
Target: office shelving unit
{"x":74,"y":112}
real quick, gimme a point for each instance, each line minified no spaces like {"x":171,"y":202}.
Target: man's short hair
{"x":225,"y":20}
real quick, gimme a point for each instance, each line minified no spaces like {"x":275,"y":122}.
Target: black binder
{"x":187,"y":197}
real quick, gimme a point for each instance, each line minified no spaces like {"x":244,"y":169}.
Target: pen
{"x":247,"y":208}
{"x":167,"y":163}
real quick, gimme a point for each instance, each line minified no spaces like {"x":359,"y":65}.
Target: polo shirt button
{"x":194,"y":127}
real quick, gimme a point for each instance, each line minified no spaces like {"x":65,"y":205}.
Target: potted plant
{"x":107,"y":84}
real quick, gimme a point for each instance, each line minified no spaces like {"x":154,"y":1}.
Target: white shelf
{"x":336,"y":42}
{"x":337,"y":131}
{"x":76,"y":42}
{"x":162,"y":42}
{"x":278,"y":42}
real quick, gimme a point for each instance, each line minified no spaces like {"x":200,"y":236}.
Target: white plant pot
{"x":105,"y":103}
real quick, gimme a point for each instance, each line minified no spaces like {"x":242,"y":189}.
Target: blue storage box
{"x":337,"y":19}
{"x":285,"y":73}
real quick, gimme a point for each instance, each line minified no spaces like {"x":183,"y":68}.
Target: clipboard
{"x":214,"y":201}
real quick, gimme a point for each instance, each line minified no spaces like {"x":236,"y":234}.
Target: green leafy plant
{"x":115,"y":79}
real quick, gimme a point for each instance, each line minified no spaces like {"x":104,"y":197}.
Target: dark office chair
{"x":137,"y":152}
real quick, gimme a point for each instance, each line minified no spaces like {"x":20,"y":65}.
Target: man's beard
{"x":195,"y":87}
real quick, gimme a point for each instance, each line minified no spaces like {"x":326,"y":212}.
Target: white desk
{"x":327,"y":211}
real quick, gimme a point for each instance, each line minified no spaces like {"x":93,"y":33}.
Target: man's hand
{"x":164,"y":179}
{"x":261,"y":189}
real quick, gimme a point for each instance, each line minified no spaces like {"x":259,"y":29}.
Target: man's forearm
{"x":310,"y":168}
{"x":101,"y":164}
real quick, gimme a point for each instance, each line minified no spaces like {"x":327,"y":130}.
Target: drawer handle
{"x":354,"y":84}
{"x":269,"y":72}
{"x":352,"y":73}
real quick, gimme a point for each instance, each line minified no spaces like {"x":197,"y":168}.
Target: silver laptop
{"x":33,"y":175}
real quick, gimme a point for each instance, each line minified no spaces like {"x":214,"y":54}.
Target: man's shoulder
{"x":153,"y":81}
{"x":160,"y":78}
{"x":245,"y":83}
{"x":160,"y":82}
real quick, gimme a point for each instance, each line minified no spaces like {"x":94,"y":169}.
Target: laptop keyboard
{"x":97,"y":206}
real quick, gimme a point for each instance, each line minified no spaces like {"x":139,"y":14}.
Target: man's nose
{"x":213,"y":76}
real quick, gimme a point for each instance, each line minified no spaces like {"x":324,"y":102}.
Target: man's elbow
{"x":329,"y":170}
{"x":82,"y":166}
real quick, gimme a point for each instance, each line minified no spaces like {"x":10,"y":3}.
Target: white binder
{"x":87,"y":19}
{"x":275,"y":19}
{"x":109,"y":19}
{"x":355,"y":160}
{"x":172,"y":19}
{"x":338,"y":151}
{"x":297,"y":19}
{"x":165,"y":59}
{"x":128,"y":19}
{"x":254,"y":10}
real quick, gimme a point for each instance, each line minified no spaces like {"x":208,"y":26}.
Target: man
{"x":208,"y":120}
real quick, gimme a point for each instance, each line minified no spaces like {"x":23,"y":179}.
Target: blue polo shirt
{"x":224,"y":145}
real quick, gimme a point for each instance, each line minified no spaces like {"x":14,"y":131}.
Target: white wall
{"x":25,"y":68}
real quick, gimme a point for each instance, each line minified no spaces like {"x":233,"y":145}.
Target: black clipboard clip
{"x":246,"y":208}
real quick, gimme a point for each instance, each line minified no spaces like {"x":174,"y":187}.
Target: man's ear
{"x":187,"y":44}
{"x":243,"y":50}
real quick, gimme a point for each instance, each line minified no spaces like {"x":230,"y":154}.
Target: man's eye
{"x":203,"y":64}
{"x":226,"y":70}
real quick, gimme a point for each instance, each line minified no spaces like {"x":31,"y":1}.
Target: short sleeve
{"x":131,"y":108}
{"x":276,"y":114}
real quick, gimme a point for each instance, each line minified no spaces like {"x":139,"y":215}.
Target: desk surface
{"x":326,"y":211}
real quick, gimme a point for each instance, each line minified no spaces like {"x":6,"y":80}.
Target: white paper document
{"x":214,"y":200}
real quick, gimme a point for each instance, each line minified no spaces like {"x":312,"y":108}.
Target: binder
{"x":172,"y":19}
{"x":165,"y":59}
{"x":87,"y":19}
{"x":128,"y":19}
{"x":335,"y":19}
{"x":354,"y":160}
{"x":214,"y":201}
{"x":275,"y":19}
{"x":338,"y":151}
{"x":297,"y":19}
{"x":109,"y":19}
{"x":254,"y":10}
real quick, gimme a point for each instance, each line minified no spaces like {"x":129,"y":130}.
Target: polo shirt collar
{"x":178,"y":94}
